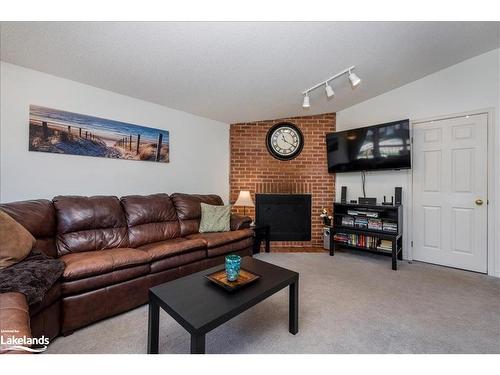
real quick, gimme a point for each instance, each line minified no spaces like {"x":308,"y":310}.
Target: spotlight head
{"x":305,"y":103}
{"x":355,"y":80}
{"x":329,"y":90}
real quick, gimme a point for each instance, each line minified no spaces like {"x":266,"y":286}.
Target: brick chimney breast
{"x":253,"y":168}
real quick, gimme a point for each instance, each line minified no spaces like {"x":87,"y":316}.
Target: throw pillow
{"x":16,"y":242}
{"x":215,"y":218}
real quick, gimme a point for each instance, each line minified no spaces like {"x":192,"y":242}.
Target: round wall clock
{"x":284,"y":141}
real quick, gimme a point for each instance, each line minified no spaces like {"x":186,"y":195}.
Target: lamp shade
{"x":244,"y":199}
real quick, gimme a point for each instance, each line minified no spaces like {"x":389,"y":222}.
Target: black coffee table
{"x":200,"y":306}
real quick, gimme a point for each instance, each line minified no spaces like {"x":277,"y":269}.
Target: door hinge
{"x":411,"y":243}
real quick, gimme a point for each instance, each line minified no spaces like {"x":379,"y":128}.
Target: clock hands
{"x":283,"y":137}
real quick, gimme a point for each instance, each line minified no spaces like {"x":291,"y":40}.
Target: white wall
{"x":199,"y":147}
{"x":468,"y":86}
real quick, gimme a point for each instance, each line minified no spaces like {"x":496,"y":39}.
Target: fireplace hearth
{"x":288,"y":215}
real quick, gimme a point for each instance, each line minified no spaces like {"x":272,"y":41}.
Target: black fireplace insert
{"x":288,"y":215}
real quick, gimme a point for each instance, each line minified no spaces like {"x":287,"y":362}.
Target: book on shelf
{"x":385,"y":245}
{"x":359,"y":240}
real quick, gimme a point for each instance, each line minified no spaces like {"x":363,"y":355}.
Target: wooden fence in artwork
{"x":126,"y":142}
{"x":82,"y":132}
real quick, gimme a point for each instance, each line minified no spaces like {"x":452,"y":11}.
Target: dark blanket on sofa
{"x":33,"y":276}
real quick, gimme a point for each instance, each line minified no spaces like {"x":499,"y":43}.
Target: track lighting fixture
{"x":305,"y":104}
{"x":329,"y":91}
{"x":353,"y":79}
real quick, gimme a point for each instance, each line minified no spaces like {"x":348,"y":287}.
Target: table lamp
{"x":245,"y":200}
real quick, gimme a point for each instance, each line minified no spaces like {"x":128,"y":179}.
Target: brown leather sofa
{"x":14,"y":319}
{"x":114,"y":250}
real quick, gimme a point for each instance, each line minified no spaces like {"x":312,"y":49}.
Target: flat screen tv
{"x":384,"y":146}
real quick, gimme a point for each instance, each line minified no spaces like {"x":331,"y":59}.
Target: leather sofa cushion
{"x":178,"y":260}
{"x":83,"y":309}
{"x":188,"y":207}
{"x":38,"y":217}
{"x":14,"y":318}
{"x":150,"y":218}
{"x":230,"y":248}
{"x":89,"y":223}
{"x":95,"y":282}
{"x":169,"y":248}
{"x":91,"y":263}
{"x":222,"y":238}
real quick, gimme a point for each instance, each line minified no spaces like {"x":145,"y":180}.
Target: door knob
{"x":479,"y":202}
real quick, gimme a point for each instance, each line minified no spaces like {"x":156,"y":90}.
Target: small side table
{"x":261,"y":234}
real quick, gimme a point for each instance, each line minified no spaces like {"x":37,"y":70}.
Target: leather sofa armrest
{"x":240,"y":221}
{"x":14,"y":320}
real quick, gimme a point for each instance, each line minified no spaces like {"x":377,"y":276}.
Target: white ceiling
{"x":243,"y":71}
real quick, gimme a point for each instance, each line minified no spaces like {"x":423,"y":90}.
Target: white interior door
{"x":450,"y":179}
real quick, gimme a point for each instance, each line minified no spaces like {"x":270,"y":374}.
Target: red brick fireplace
{"x":254,"y":169}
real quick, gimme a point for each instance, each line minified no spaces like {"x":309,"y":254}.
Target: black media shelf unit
{"x":388,"y":214}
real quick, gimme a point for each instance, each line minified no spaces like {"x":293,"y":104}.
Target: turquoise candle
{"x":233,"y":263}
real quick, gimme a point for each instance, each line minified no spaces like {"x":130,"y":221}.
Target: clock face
{"x":284,"y":141}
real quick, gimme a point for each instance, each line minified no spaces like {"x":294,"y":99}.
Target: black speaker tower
{"x":398,"y":194}
{"x":343,"y":196}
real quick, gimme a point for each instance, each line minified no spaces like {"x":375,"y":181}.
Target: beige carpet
{"x":349,"y":303}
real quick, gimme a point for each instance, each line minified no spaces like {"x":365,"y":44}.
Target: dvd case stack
{"x":375,"y":224}
{"x":362,"y":213}
{"x":361,"y":222}
{"x":347,"y":221}
{"x":389,"y":226}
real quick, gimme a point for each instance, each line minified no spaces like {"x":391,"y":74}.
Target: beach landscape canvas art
{"x":62,"y":132}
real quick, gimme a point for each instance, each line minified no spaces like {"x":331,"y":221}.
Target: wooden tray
{"x":245,"y":278}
